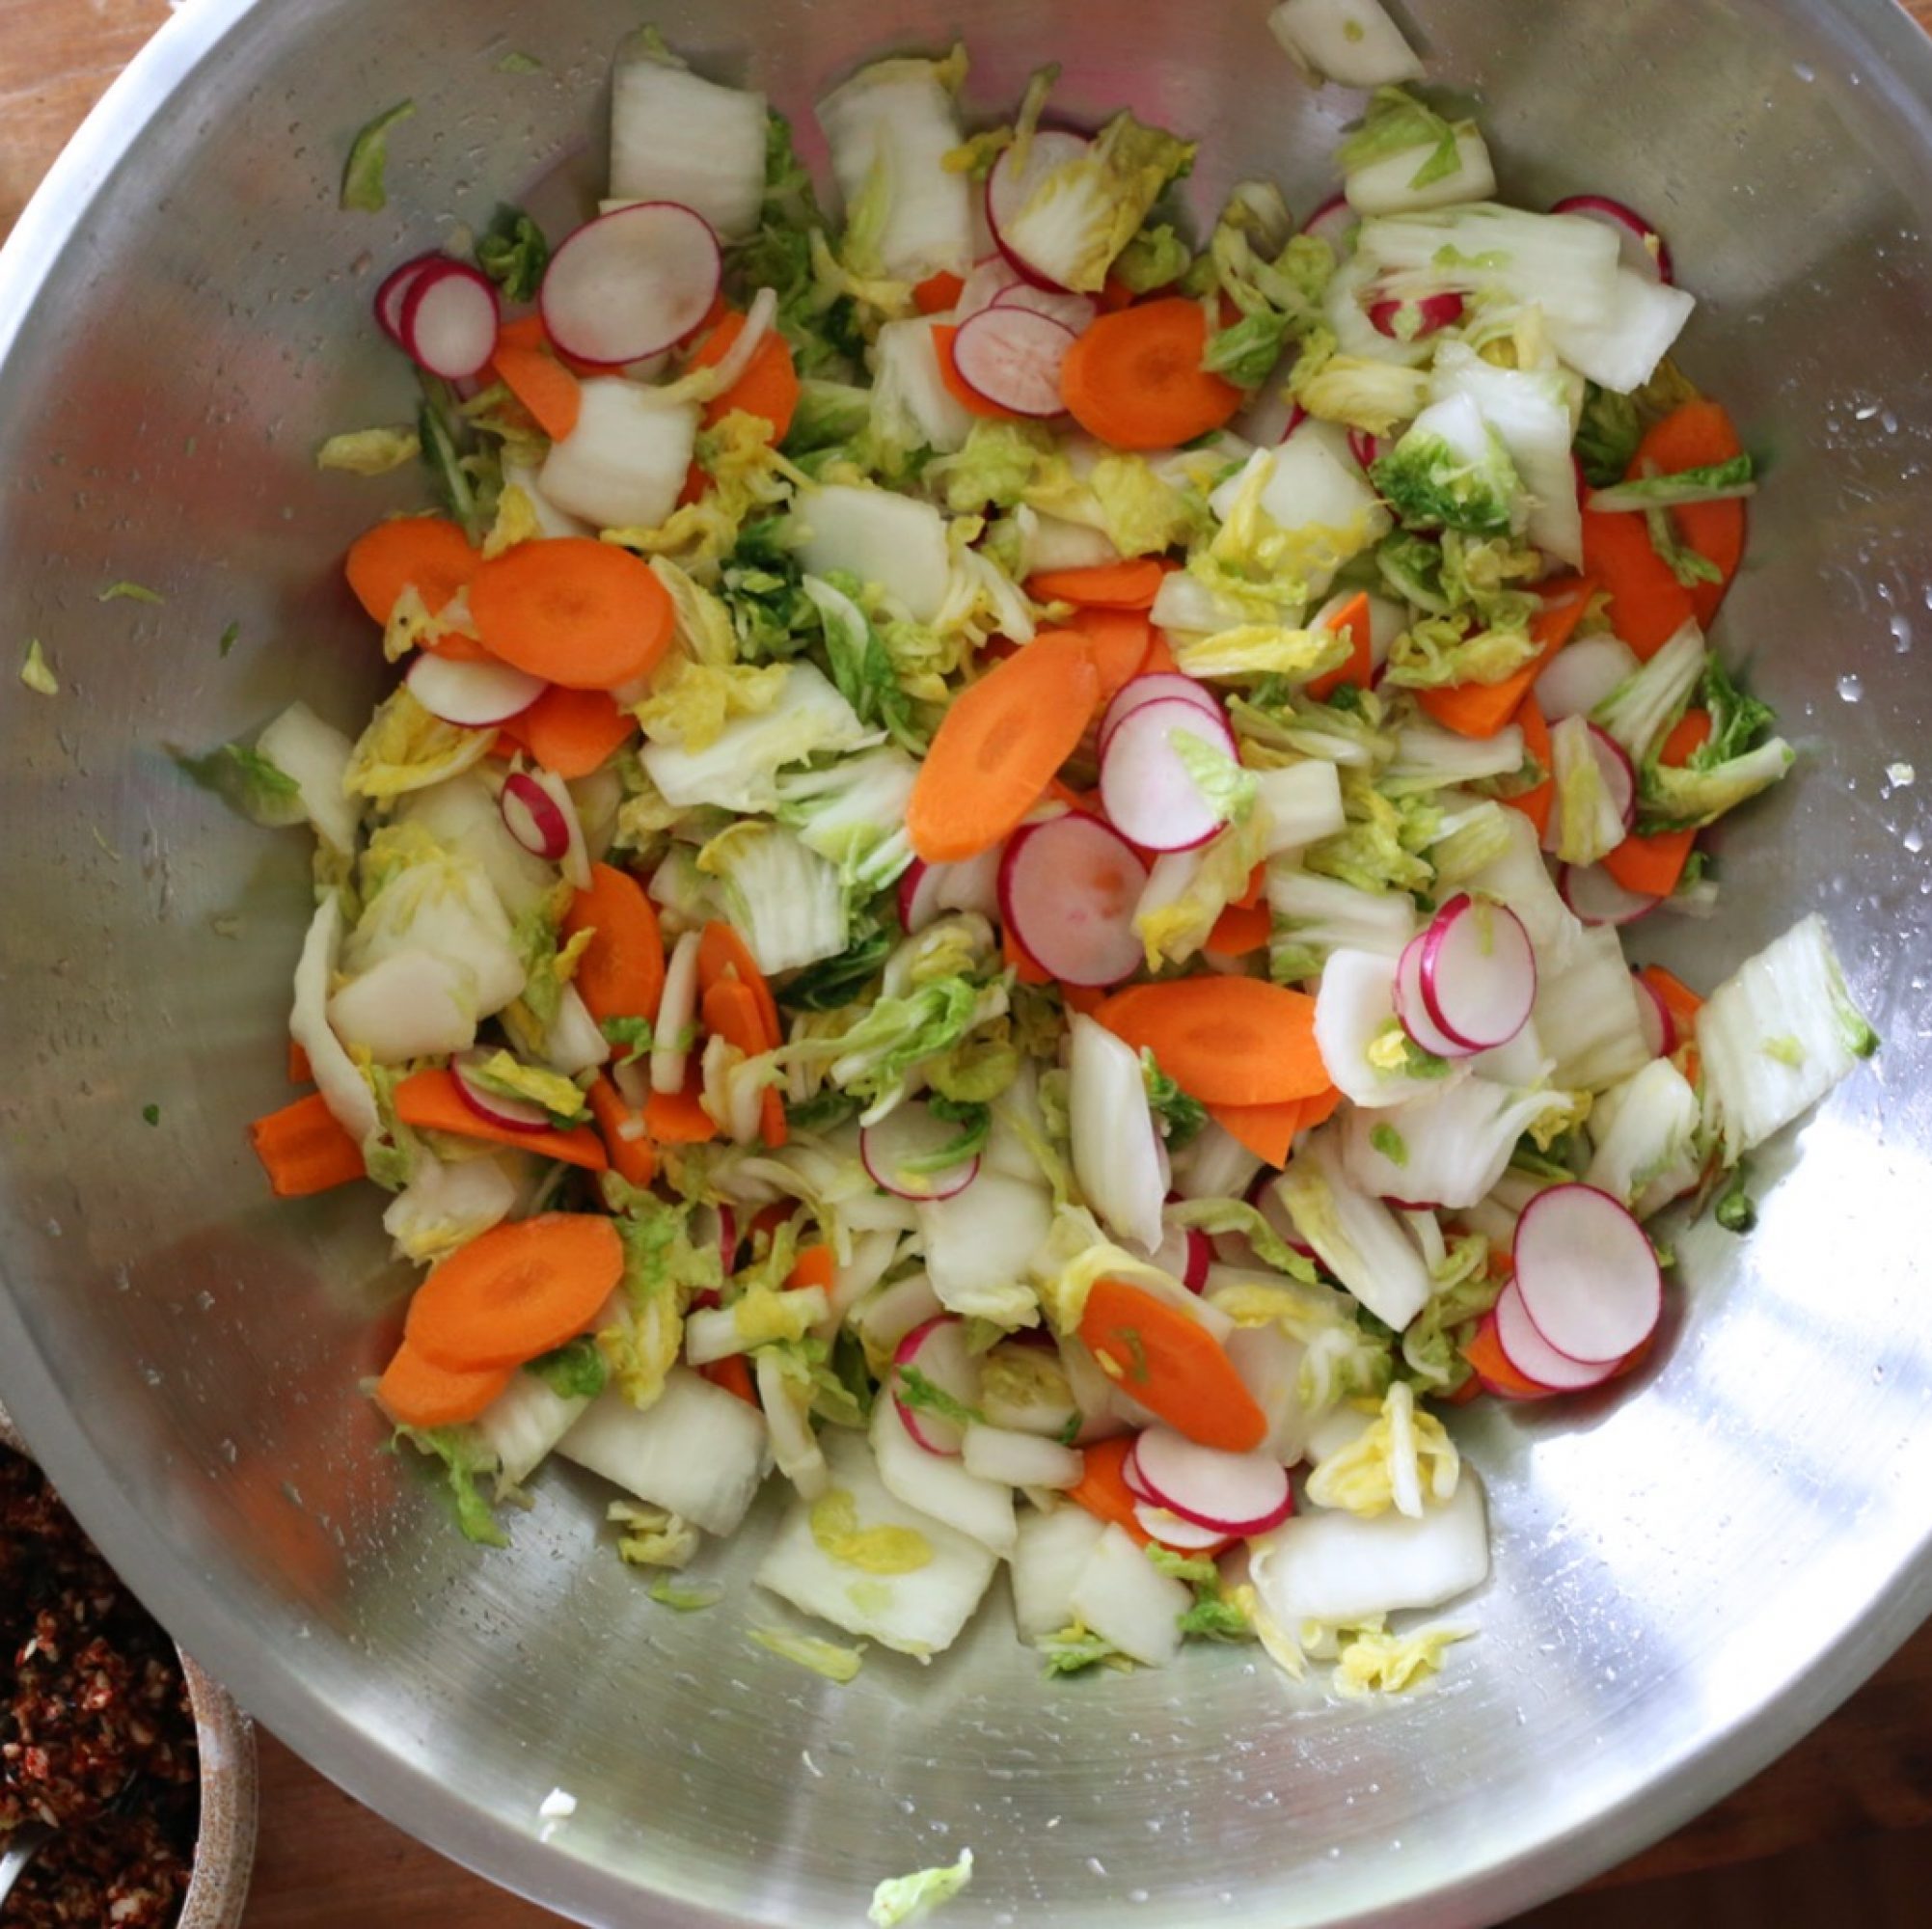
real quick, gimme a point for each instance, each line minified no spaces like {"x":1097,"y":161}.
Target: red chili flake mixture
{"x":94,"y":1705}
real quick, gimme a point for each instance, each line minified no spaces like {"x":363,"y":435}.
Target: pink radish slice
{"x":1068,"y":889}
{"x":395,"y":292}
{"x":1580,"y":676}
{"x":449,"y":320}
{"x":1008,"y":189}
{"x":1534,"y":1357}
{"x":1660,"y":1028}
{"x":516,"y":1115}
{"x":1138,"y":690}
{"x":1130,"y":1476}
{"x":989,"y":279}
{"x":1478,"y":973}
{"x":1186,"y":1252}
{"x":473,"y":695}
{"x":1332,"y":222}
{"x":1171,"y":1530}
{"x":1433,"y":313}
{"x":1364,"y":447}
{"x":905,"y":1135}
{"x":1296,"y":416}
{"x":918,"y":894}
{"x":1587,"y":1274}
{"x":1597,"y":898}
{"x":1232,"y":1493}
{"x":937,"y":1351}
{"x":1619,"y":774}
{"x":1075,"y":311}
{"x":1145,"y":788}
{"x":632,"y":282}
{"x":1644,"y":248}
{"x":927,"y":890}
{"x":1013,"y":356}
{"x":530,"y":816}
{"x":1412,"y":1008}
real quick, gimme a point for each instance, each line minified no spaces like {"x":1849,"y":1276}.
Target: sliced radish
{"x":632,"y":282}
{"x":1008,"y":190}
{"x":1581,"y":675}
{"x":1644,"y":248}
{"x":1067,"y":892}
{"x":1478,"y":972}
{"x":531,"y":817}
{"x":1145,"y":787}
{"x":1153,"y":689}
{"x":1534,"y":1357}
{"x":1231,"y":1493}
{"x":1619,"y":774}
{"x":1075,"y":311}
{"x":1597,"y":898}
{"x":1333,"y":222}
{"x":927,"y":890}
{"x":937,"y":1351}
{"x":1660,"y":1028}
{"x":516,"y":1115}
{"x":395,"y":292}
{"x":1364,"y":447}
{"x":1186,"y":1252}
{"x":1588,"y":1274}
{"x":1012,"y":357}
{"x":1412,"y":1008}
{"x":1171,"y":1530}
{"x":907,"y":1136}
{"x":448,"y":319}
{"x":1433,"y":313}
{"x":989,"y":279}
{"x":473,"y":695}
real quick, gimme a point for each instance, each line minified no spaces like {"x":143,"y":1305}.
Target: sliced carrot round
{"x":621,"y":974}
{"x":769,"y":385}
{"x":1224,"y":1040}
{"x":542,"y":384}
{"x":573,"y":611}
{"x":1135,"y":379}
{"x":1119,"y":641}
{"x":998,"y":747}
{"x":415,"y":1392}
{"x":723,"y":954}
{"x":515,"y":1292}
{"x":426,"y":552}
{"x":573,"y":732}
{"x":1173,"y":1366}
{"x":634,"y":1160}
{"x":1105,"y":585}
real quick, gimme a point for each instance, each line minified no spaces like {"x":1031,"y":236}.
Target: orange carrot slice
{"x":1360,"y":669}
{"x":573,"y":611}
{"x":1119,"y":641}
{"x":769,"y":385}
{"x":1482,"y":709}
{"x":305,"y":1149}
{"x":1652,"y":865}
{"x":542,"y":384}
{"x":1648,"y":605}
{"x":1135,"y":379}
{"x":429,"y":1101}
{"x":723,"y":954}
{"x":937,"y":292}
{"x":679,"y":1118}
{"x":1173,"y":1366}
{"x":814,"y":1265}
{"x":1699,"y":435}
{"x":573,"y":732}
{"x":1105,"y":585}
{"x":415,"y":1392}
{"x":1239,"y":930}
{"x":1224,"y":1040}
{"x":621,"y":974}
{"x":300,"y":1071}
{"x":633,"y":1160}
{"x":1266,"y":1131}
{"x":425,"y":552}
{"x":733,"y":1374}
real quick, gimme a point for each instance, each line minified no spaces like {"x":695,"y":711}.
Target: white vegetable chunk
{"x":316,"y":755}
{"x":1388,"y":186}
{"x":342,"y":1086}
{"x":939,"y":1486}
{"x":1125,"y":1599}
{"x":879,"y":536}
{"x":675,"y":136}
{"x":1115,"y":1142}
{"x":1353,"y":42}
{"x":979,"y":1243}
{"x":1356,"y":1237}
{"x":623,"y":465}
{"x":1049,"y":1558}
{"x":524,"y":1424}
{"x":410,"y":1005}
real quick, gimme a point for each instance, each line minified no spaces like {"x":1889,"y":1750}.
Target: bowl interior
{"x":1685,"y":1575}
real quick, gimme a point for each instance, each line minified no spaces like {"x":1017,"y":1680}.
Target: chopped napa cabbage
{"x":406,"y":748}
{"x":691,"y":703}
{"x":872,"y":1058}
{"x":785,"y":898}
{"x":1587,"y":1013}
{"x":1359,"y":392}
{"x":1154,"y":259}
{"x":1639,"y":710}
{"x":1680,"y":797}
{"x":652,"y":1537}
{"x":676,"y":136}
{"x":995,"y":464}
{"x":1714,"y":482}
{"x":1316,"y":915}
{"x":1404,"y":155}
{"x":877,"y":536}
{"x":852,"y":812}
{"x":1452,"y":470}
{"x":467,"y":1459}
{"x":1608,"y":432}
{"x":1587,"y":821}
{"x":904,"y":1898}
{"x":825,"y":1658}
{"x":1074,"y":1254}
{"x":509,"y":1078}
{"x":1649,"y":1150}
{"x":1448,"y":1146}
{"x":1355,"y":1236}
{"x":369,"y":451}
{"x":1624,"y":343}
{"x":836,"y":1527}
{"x":1176,"y":929}
{"x":624,"y":463}
{"x":316,"y":755}
{"x":1404,"y":1460}
{"x":37,"y":673}
{"x":252,"y":782}
{"x":912,"y":410}
{"x":1353,"y":42}
{"x":1373,"y":1661}
{"x":866,"y":660}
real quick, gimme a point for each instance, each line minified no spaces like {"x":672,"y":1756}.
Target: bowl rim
{"x":1888,"y":48}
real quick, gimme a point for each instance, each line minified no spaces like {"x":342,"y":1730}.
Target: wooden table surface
{"x":1863,"y":1779}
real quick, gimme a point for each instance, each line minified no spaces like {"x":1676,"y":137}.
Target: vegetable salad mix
{"x":991,"y":889}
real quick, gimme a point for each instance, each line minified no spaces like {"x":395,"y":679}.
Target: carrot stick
{"x":1224,"y":1040}
{"x":1538,"y":803}
{"x":733,"y":1374}
{"x":1266,"y":1131}
{"x":1360,"y":669}
{"x":573,"y":611}
{"x":542,"y":384}
{"x":414,"y":1392}
{"x":1699,"y":435}
{"x":999,"y":744}
{"x":515,"y":1292}
{"x":769,"y":385}
{"x":1135,"y":379}
{"x":1648,"y":605}
{"x":304,"y":1149}
{"x":731,"y":1012}
{"x":678,"y":1117}
{"x":1652,"y":865}
{"x":621,"y":974}
{"x":426,"y":552}
{"x":1119,"y":641}
{"x":1025,"y":967}
{"x":573,"y":732}
{"x":1484,"y":1352}
{"x":429,"y":1101}
{"x":1239,"y":930}
{"x":957,"y":386}
{"x":723,"y":954}
{"x":1103,"y":585}
{"x":813,"y":1267}
{"x":937,"y":292}
{"x":1482,"y":709}
{"x":633,"y":1160}
{"x":1172,"y":1365}
{"x":300,"y":1071}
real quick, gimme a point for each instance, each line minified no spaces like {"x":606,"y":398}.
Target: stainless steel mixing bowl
{"x":1687,"y":1575}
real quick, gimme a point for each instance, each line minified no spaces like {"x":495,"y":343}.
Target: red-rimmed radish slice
{"x":1145,"y":788}
{"x":449,"y":320}
{"x":1231,"y":1493}
{"x":1412,"y":1008}
{"x":1660,"y":1028}
{"x":575,"y":862}
{"x":926,"y":892}
{"x":1581,"y":675}
{"x":717,"y":1225}
{"x":1587,"y":1274}
{"x":632,"y":282}
{"x":531,"y":817}
{"x":1597,"y":898}
{"x":1186,"y":1252}
{"x":1013,"y":357}
{"x":1619,"y":774}
{"x":1068,"y":889}
{"x":1644,"y":248}
{"x":516,"y":1115}
{"x":1364,"y":447}
{"x":1433,"y":313}
{"x":1129,"y":1472}
{"x":1333,"y":222}
{"x":989,"y":279}
{"x":395,"y":292}
{"x":938,"y":1351}
{"x":906,"y":1136}
{"x":1171,"y":1530}
{"x":1138,"y":690}
{"x":1075,"y":311}
{"x":1533,"y":1356}
{"x":473,"y":695}
{"x":1008,"y":189}
{"x":1478,"y":973}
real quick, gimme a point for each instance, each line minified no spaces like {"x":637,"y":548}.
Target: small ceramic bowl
{"x":225,"y":1841}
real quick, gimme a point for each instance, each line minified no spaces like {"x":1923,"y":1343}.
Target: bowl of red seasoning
{"x":143,"y":1765}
